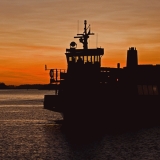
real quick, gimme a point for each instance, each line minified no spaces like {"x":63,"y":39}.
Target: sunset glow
{"x":35,"y":33}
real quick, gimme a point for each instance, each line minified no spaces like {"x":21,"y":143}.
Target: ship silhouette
{"x":90,"y":94}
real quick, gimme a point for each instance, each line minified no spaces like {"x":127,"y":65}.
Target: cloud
{"x":34,"y":33}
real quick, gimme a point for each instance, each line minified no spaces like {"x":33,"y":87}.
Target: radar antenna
{"x":83,"y":38}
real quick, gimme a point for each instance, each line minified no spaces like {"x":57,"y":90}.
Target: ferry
{"x":88,"y":93}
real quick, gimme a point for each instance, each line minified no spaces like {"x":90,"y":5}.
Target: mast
{"x":83,"y":38}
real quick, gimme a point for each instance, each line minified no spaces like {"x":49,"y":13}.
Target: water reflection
{"x":127,"y":145}
{"x":71,"y":144}
{"x":27,"y":131}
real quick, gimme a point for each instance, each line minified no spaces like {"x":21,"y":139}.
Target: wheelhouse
{"x":81,"y":57}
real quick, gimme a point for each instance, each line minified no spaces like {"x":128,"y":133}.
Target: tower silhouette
{"x":132,"y":58}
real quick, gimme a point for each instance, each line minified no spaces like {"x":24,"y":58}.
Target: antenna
{"x":97,"y":40}
{"x":78,"y":27}
{"x":45,"y":67}
{"x":84,"y":36}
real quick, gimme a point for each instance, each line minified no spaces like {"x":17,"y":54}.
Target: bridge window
{"x":89,"y":58}
{"x":70,"y":59}
{"x":85,"y":58}
{"x":76,"y":58}
{"x":97,"y":59}
{"x":93,"y":59}
{"x":150,"y":90}
{"x":80,"y":59}
{"x":147,"y":90}
{"x":155,"y":90}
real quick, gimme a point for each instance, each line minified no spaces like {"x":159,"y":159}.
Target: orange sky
{"x":37,"y":32}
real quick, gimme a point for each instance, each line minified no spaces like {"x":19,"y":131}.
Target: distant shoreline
{"x":30,"y":86}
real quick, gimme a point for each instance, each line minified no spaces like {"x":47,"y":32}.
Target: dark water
{"x":27,"y":131}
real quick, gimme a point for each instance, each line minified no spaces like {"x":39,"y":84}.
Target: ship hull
{"x":110,"y":111}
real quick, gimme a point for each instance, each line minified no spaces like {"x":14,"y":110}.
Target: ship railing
{"x":56,"y":75}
